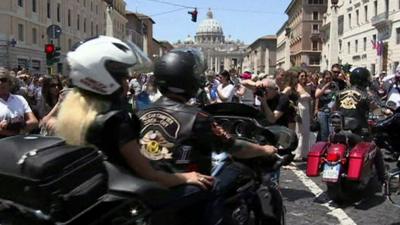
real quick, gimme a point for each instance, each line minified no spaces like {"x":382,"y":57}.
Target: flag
{"x":379,"y":48}
{"x":373,"y":44}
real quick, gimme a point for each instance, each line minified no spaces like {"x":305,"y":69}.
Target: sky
{"x":245,"y":20}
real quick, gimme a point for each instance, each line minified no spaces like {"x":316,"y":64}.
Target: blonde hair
{"x":77,"y":113}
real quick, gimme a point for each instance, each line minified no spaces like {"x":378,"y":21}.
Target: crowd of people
{"x":296,"y":98}
{"x":156,"y":142}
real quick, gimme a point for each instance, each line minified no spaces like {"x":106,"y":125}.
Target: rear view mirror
{"x":393,"y":187}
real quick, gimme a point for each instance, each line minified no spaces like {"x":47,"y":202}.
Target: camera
{"x":260,"y":92}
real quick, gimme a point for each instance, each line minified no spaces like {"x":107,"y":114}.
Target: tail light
{"x":333,"y":156}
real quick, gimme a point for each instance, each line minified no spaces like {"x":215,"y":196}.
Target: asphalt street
{"x":307,"y":204}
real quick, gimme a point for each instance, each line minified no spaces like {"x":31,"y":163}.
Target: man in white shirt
{"x":15,"y":114}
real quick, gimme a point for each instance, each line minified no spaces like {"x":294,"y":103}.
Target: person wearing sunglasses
{"x":15,"y":114}
{"x":338,"y":76}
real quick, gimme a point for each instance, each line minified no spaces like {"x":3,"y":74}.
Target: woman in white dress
{"x":303,"y":120}
{"x":225,"y":90}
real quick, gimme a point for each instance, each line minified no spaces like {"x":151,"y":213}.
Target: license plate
{"x":331,"y":172}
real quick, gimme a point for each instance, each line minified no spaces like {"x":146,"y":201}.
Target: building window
{"x":315,"y":15}
{"x":34,"y":36}
{"x":69,"y":17}
{"x":398,"y":35}
{"x":315,"y":28}
{"x":357,"y":17}
{"x":91,"y":5}
{"x":349,"y":20}
{"x":366,"y":13}
{"x":91,"y":28}
{"x":372,"y":68}
{"x":398,"y":4}
{"x":84,"y":25}
{"x":20,"y":32}
{"x":356,"y":46}
{"x":375,"y":8}
{"x":97,"y":30}
{"x":365,"y":44}
{"x":340,"y":45}
{"x":22,"y":62}
{"x":21,"y":3}
{"x":374,"y":37}
{"x":69,"y":44}
{"x":77,"y":23}
{"x":97,"y":10}
{"x":348,"y":47}
{"x":310,"y":1}
{"x":84,"y":3}
{"x":315,"y":45}
{"x":58,"y":12}
{"x":33,"y":5}
{"x":35,"y":65}
{"x":48,"y":9}
{"x":314,"y":60}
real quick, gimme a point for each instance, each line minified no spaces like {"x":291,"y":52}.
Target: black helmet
{"x":179,"y":72}
{"x":360,"y":77}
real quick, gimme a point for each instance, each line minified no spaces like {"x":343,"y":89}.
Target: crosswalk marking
{"x":343,"y":218}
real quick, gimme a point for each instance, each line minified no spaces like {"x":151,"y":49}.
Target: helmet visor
{"x":143,"y":64}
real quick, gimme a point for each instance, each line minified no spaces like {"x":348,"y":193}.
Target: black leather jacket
{"x":179,"y":138}
{"x":354,"y":103}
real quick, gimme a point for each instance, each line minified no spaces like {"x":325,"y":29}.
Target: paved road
{"x":305,"y":208}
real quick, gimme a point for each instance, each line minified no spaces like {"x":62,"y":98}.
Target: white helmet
{"x":97,"y":64}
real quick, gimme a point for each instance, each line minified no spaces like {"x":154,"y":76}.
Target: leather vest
{"x":172,"y":137}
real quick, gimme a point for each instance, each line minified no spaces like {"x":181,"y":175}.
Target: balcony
{"x":381,"y":20}
{"x":383,"y":24}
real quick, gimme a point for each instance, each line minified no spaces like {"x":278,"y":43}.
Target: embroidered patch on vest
{"x":350,"y":99}
{"x":155,"y":147}
{"x":162,"y":120}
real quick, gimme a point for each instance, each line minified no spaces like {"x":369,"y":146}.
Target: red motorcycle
{"x":346,"y":160}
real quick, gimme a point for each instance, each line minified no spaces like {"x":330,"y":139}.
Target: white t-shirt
{"x":228,"y":91}
{"x":394,"y":95}
{"x":14,"y":109}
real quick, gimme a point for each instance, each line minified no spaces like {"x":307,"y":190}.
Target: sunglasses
{"x":335,"y":71}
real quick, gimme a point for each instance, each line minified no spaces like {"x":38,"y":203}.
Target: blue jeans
{"x":186,"y":196}
{"x":323,"y":133}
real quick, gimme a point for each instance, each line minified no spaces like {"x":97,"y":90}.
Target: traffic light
{"x":52,"y":54}
{"x":194,"y":15}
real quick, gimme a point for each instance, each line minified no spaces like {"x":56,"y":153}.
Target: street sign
{"x":54,"y":31}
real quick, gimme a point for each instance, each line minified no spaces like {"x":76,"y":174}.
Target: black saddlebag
{"x":44,"y":173}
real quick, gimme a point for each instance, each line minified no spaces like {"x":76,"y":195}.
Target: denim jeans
{"x":323,"y":133}
{"x":189,"y":197}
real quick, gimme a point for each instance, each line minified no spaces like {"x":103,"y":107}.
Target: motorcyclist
{"x":355,"y":103}
{"x":179,"y":138}
{"x":392,"y":86}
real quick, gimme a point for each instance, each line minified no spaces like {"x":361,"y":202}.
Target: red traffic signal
{"x":194,"y":15}
{"x":49,"y":49}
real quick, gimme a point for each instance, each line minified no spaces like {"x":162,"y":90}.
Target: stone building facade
{"x":360,"y":24}
{"x":23,"y":33}
{"x":221,"y":53}
{"x":304,"y":23}
{"x":261,"y":55}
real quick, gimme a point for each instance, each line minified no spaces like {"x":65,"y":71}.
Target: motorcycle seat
{"x":123,"y":181}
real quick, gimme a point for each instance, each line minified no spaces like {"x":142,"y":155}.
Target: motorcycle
{"x":46,"y":181}
{"x":346,"y":161}
{"x":256,"y":199}
{"x":392,"y":186}
{"x":386,"y":137}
